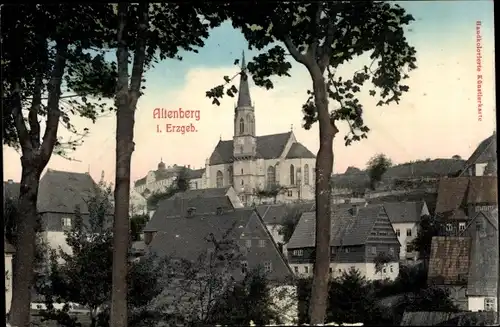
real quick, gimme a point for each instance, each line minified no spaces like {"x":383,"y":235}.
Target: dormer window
{"x":191,"y":211}
{"x":219,"y":211}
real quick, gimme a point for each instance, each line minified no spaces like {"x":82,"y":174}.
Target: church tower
{"x":245,"y":142}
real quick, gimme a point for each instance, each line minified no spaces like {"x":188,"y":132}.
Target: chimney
{"x":219,"y":211}
{"x":354,"y":210}
{"x":189,"y":166}
{"x":10,"y":181}
{"x":191,"y":211}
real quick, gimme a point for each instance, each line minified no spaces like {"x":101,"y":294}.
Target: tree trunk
{"x":126,"y":100}
{"x":324,"y":167}
{"x":26,"y":239}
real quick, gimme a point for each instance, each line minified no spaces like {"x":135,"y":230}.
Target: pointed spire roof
{"x":244,"y":99}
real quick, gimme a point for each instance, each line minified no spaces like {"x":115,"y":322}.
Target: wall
{"x":476,"y":303}
{"x":8,"y":282}
{"x":56,"y":240}
{"x":336,"y":270}
{"x":404,"y":240}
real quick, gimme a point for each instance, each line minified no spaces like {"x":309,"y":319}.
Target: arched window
{"x":306,"y":174}
{"x":277,"y":173}
{"x":314,"y":176}
{"x":271,"y":177}
{"x":220,"y":179}
{"x":242,"y":126}
{"x":250,"y":124}
{"x":292,"y":175}
{"x":230,"y":175}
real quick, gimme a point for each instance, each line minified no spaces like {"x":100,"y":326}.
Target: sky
{"x":437,"y":118}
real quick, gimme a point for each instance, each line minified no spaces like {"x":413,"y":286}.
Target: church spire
{"x":244,"y":91}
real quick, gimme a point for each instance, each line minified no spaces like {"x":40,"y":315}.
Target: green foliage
{"x":381,"y":261}
{"x":376,"y":168}
{"x":137,"y":223}
{"x":289,"y":223}
{"x":349,"y":29}
{"x":85,"y":275}
{"x":181,"y":184}
{"x":428,"y":228}
{"x":10,"y":214}
{"x":271,"y":192}
{"x":248,"y":300}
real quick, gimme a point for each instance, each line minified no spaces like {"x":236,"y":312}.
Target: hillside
{"x":355,"y":179}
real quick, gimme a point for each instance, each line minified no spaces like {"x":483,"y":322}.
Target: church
{"x":249,"y":163}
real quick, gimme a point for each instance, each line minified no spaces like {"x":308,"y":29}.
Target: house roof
{"x":196,"y":173}
{"x":8,"y":248}
{"x":62,"y":191}
{"x":177,"y":208}
{"x":189,"y":237}
{"x":268,"y":147}
{"x":297,"y":150}
{"x":437,"y":318}
{"x":483,"y":270}
{"x":205,"y":192}
{"x":485,"y":152}
{"x":404,"y":212}
{"x":276,"y":214}
{"x":458,"y":191}
{"x":346,"y":229}
{"x":449,"y":260}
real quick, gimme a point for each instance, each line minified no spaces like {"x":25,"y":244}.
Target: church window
{"x":292,"y":175}
{"x":219,"y":179}
{"x":250,"y":124}
{"x":306,"y":174}
{"x":242,"y":126}
{"x":242,"y":171}
{"x":230,"y":175}
{"x":277,"y":173}
{"x":271,"y":176}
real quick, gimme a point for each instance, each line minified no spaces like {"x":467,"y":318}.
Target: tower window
{"x":242,"y":126}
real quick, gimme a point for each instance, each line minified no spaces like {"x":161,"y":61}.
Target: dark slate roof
{"x":62,"y":191}
{"x":485,"y":152}
{"x":346,"y":230}
{"x":482,"y":189}
{"x":268,"y":147}
{"x":437,"y":318}
{"x":11,"y":190}
{"x":187,"y":237}
{"x":483,"y":270}
{"x":449,"y":260}
{"x":278,"y":213}
{"x":404,"y":212}
{"x":297,"y":150}
{"x":8,"y":248}
{"x":206,"y":192}
{"x":455,"y":192}
{"x":177,"y":208}
{"x":196,"y":173}
{"x":244,"y":99}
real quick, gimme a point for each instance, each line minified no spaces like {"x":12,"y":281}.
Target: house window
{"x":392,"y":270}
{"x":66,"y":222}
{"x":296,"y":269}
{"x":489,"y":304}
{"x":306,"y":174}
{"x":306,"y":269}
{"x":248,"y":243}
{"x":374,"y":250}
{"x":340,"y":271}
{"x":289,"y":193}
{"x":346,"y":250}
{"x":398,"y":232}
{"x":408,"y":248}
{"x":244,"y":267}
{"x":292,"y":175}
{"x":262,"y":243}
{"x":331,"y":270}
{"x":298,"y":253}
{"x":408,"y":232}
{"x":242,"y":182}
{"x":241,"y":171}
{"x":461,"y":227}
{"x":449,"y":227}
{"x":267,"y":267}
{"x":219,"y":181}
{"x":384,"y":270}
{"x":391,"y":252}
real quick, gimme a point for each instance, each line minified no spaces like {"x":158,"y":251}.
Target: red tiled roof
{"x":449,"y":260}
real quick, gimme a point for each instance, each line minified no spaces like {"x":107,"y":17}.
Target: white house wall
{"x":366,"y":269}
{"x":476,"y":303}
{"x":8,"y":282}
{"x":405,"y":240}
